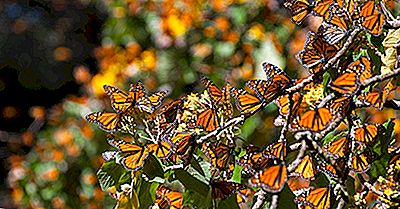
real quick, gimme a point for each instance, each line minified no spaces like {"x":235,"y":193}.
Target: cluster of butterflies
{"x":340,"y":16}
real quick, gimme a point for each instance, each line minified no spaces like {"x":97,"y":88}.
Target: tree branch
{"x":233,"y":121}
{"x":260,"y":199}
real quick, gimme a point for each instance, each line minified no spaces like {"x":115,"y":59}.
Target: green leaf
{"x":191,"y":182}
{"x":237,"y":174}
{"x":327,"y":77}
{"x":152,"y":168}
{"x":109,"y":174}
{"x":229,"y":203}
{"x":128,"y":202}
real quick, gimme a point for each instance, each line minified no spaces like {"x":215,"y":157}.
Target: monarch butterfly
{"x":316,"y":52}
{"x":297,"y":184}
{"x":300,"y":10}
{"x":372,"y":18}
{"x":219,"y":97}
{"x":377,"y":97}
{"x":111,"y":122}
{"x":244,"y":196}
{"x":316,"y":119}
{"x":340,"y":104}
{"x":161,"y":150}
{"x":120,"y":101}
{"x":329,"y":170}
{"x":306,"y":169}
{"x":219,"y":154}
{"x":275,"y":150}
{"x":181,"y":142}
{"x":322,"y":8}
{"x":253,"y":161}
{"x":208,"y":119}
{"x":333,"y":33}
{"x":270,"y":179}
{"x":348,"y":82}
{"x":269,"y":89}
{"x":171,"y":110}
{"x":248,"y":104}
{"x":360,"y":162}
{"x":166,"y":197}
{"x":276,"y":75}
{"x":366,"y":133}
{"x":224,"y":189}
{"x":156,"y":98}
{"x":318,"y":198}
{"x":109,"y":155}
{"x":337,"y":148}
{"x":134,"y":156}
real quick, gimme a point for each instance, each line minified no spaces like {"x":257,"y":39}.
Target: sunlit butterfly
{"x":271,"y":179}
{"x":247,"y":103}
{"x":297,"y":184}
{"x":181,"y":142}
{"x":360,"y":162}
{"x":316,"y":119}
{"x":220,"y":98}
{"x":366,"y":133}
{"x":372,"y":18}
{"x":275,"y":150}
{"x":161,"y":149}
{"x":318,"y":198}
{"x":377,"y":96}
{"x":134,"y":156}
{"x":300,"y":9}
{"x":167,"y":198}
{"x":111,"y":122}
{"x":208,"y":119}
{"x":332,"y":33}
{"x":328,"y":169}
{"x":316,"y":52}
{"x":338,"y":147}
{"x":306,"y":169}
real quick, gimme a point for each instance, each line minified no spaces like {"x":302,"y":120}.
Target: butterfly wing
{"x":271,"y":179}
{"x":106,"y":120}
{"x":120,"y":101}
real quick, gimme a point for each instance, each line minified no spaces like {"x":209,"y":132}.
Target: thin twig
{"x":292,"y":166}
{"x":260,"y":199}
{"x":274,"y":201}
{"x":379,"y":78}
{"x":232,"y":121}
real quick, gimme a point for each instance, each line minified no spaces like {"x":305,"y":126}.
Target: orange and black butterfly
{"x":253,"y":160}
{"x":318,"y":198}
{"x":328,"y":169}
{"x":360,"y":162}
{"x":161,"y":149}
{"x":372,"y":17}
{"x":332,"y":33}
{"x":275,"y":150}
{"x":220,"y":98}
{"x":167,"y":198}
{"x":348,"y":82}
{"x":306,"y":169}
{"x":208,"y":119}
{"x":181,"y":142}
{"x":244,"y":196}
{"x":377,"y":96}
{"x":224,"y":189}
{"x":299,"y":9}
{"x":111,"y":122}
{"x":247,"y":103}
{"x":366,"y":133}
{"x":171,"y":111}
{"x":269,"y":89}
{"x":340,"y":104}
{"x":219,"y":154}
{"x":316,"y":52}
{"x":337,"y":148}
{"x":134,"y":156}
{"x":322,"y":8}
{"x":271,"y":179}
{"x":316,"y":119}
